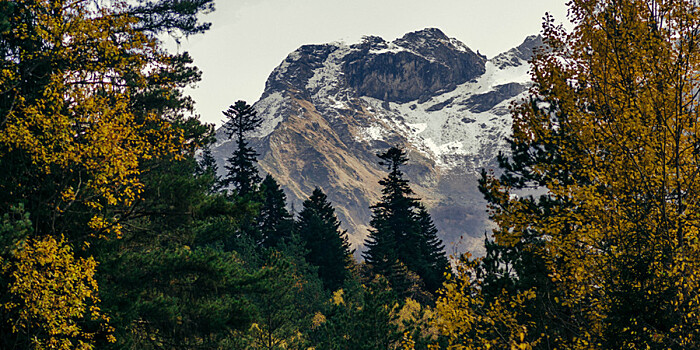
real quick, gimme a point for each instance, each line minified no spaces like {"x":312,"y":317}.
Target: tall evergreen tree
{"x":242,"y":173}
{"x":402,"y":232}
{"x":207,"y":166}
{"x":391,"y":222}
{"x":328,"y":246}
{"x":433,"y":262}
{"x":276,"y":223}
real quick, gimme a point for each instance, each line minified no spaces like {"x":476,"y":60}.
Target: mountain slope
{"x":328,"y":109}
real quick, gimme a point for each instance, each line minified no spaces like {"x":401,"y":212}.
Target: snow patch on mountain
{"x":269,"y":106}
{"x":328,"y":109}
{"x":444,"y":127}
{"x":465,"y":126}
{"x":326,"y":79}
{"x":388,"y":48}
{"x":373,"y":132}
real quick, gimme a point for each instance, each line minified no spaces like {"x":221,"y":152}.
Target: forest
{"x":118,"y":232}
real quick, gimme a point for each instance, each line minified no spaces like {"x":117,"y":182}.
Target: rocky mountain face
{"x":329,"y":109}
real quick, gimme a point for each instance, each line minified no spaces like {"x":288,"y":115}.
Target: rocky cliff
{"x":328,"y":109}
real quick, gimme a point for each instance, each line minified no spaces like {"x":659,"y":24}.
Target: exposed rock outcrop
{"x":328,"y":109}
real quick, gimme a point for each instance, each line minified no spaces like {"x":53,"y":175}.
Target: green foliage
{"x":285,"y":299}
{"x":242,"y":173}
{"x":327,"y":245}
{"x":175,"y":17}
{"x":432,"y":263}
{"x":208,"y":167}
{"x":606,"y":257}
{"x":176,"y":297}
{"x":276,"y":224}
{"x":403,"y":240}
{"x":360,"y":318}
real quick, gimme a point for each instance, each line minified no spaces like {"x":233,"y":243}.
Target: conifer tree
{"x":207,"y":162}
{"x":328,"y":246}
{"x":402,"y":233}
{"x":392,"y":218}
{"x":433,"y":262}
{"x":177,"y":18}
{"x":242,"y":173}
{"x":207,"y":166}
{"x":276,"y":224}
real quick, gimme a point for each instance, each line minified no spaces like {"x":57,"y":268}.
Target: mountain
{"x":328,"y":109}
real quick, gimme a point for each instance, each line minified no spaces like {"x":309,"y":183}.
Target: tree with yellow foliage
{"x":607,"y":257}
{"x":87,"y":97}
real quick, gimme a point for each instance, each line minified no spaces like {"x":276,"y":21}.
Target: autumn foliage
{"x":113,"y":235}
{"x":606,"y":255}
{"x":75,"y":131}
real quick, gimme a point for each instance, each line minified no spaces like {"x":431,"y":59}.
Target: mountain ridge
{"x":329,"y":108}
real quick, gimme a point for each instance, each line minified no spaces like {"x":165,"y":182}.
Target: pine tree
{"x":434,"y":263}
{"x":392,"y":221}
{"x":328,"y":246}
{"x":242,"y":173}
{"x":207,"y":167}
{"x":276,"y":224}
{"x":177,"y":18}
{"x":402,"y":233}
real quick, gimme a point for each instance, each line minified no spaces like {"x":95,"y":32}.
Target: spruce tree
{"x":276,"y":223}
{"x":433,"y":261}
{"x":392,"y":218}
{"x":207,"y":167}
{"x":242,"y":173}
{"x":402,"y":232}
{"x":328,"y":246}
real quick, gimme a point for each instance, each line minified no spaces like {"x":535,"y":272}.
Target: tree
{"x":177,"y":18}
{"x":177,"y":297}
{"x":363,"y":318}
{"x":434,"y":263}
{"x":392,"y":218}
{"x":207,"y":166}
{"x":609,"y":136}
{"x":328,"y":246}
{"x":87,"y":98}
{"x":242,"y":172}
{"x":276,"y":224}
{"x":49,"y":295}
{"x":402,"y":232}
{"x":286,"y":297}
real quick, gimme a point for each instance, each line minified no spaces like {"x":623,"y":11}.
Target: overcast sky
{"x":249,"y":38}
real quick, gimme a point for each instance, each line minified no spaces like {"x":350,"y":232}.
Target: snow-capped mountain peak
{"x":329,"y":108}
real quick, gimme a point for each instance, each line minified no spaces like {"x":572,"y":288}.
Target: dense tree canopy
{"x":607,"y":256}
{"x":87,"y":98}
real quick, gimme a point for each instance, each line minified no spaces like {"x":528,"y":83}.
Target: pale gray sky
{"x":249,"y":38}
